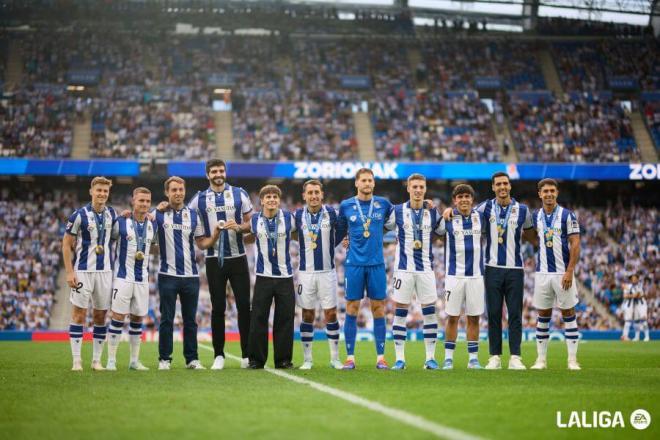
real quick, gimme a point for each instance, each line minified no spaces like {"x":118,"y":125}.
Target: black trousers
{"x":504,"y":285}
{"x":234,"y":270}
{"x":267,"y":289}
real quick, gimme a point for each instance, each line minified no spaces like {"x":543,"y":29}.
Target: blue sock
{"x":379,"y":335}
{"x":350,"y":332}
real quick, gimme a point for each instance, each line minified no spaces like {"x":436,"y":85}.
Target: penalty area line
{"x":407,"y":418}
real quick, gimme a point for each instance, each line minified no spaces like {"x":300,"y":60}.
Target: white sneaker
{"x":494,"y":363}
{"x":336,"y":364}
{"x":218,"y":363}
{"x":540,"y":364}
{"x":636,"y":338}
{"x":245,"y":362}
{"x":77,"y":365}
{"x":111,"y":366}
{"x":573,"y":364}
{"x":515,"y":363}
{"x":307,"y":365}
{"x":647,"y":338}
{"x":195,"y":365}
{"x":137,"y":366}
{"x":164,"y":365}
{"x":96,"y":366}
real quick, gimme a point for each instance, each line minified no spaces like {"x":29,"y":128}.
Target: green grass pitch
{"x":41,"y":398}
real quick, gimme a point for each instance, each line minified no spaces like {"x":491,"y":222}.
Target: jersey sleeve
{"x":441,"y":228}
{"x":528,"y":224}
{"x":342,"y":225}
{"x":292,"y":221}
{"x":246,"y":203}
{"x":154,"y":225}
{"x":481,"y":208}
{"x":390,"y":223}
{"x":534,"y":216}
{"x":193,"y":204}
{"x":73,"y":224}
{"x":253,"y":223}
{"x":572,"y":225}
{"x":199,"y":228}
{"x":115,"y":230}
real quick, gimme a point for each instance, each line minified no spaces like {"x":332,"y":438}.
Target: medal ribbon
{"x":309,"y":218}
{"x":99,"y":219}
{"x":140,"y":234}
{"x":502,"y":223}
{"x":549,"y":223}
{"x":271,"y":230}
{"x":362,"y":217}
{"x":417,"y":222}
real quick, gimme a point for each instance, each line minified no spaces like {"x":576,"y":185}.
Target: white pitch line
{"x":404,"y":417}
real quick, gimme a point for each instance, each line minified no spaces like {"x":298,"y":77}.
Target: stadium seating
{"x":572,"y":129}
{"x":31,"y":225}
{"x":432,"y":126}
{"x":37,"y":122}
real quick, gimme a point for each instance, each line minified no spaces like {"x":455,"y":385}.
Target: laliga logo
{"x":639,"y":419}
{"x":343,"y":170}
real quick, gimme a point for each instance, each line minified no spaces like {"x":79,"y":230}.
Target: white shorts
{"x":468,"y":291}
{"x":548,"y":290}
{"x":128,"y":297}
{"x":640,"y":310}
{"x":628,"y":309}
{"x":94,"y":285}
{"x":315,"y":287}
{"x":420,"y":285}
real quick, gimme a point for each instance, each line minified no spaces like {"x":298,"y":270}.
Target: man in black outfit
{"x":222,"y":207}
{"x":272,"y":228}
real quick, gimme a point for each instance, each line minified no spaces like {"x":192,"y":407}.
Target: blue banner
{"x":221,"y":80}
{"x":355,"y":82}
{"x":435,"y":170}
{"x":622,"y":82}
{"x":85,"y":77}
{"x":488,"y":82}
{"x":340,"y":170}
{"x":44,"y":167}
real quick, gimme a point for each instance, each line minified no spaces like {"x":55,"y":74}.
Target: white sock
{"x":473,"y":349}
{"x":636,"y":325}
{"x":645,"y":329}
{"x":75,"y":338}
{"x":430,"y":331}
{"x":307,"y":337}
{"x":399,"y":333}
{"x":626,"y":329}
{"x":542,"y":336}
{"x":135,"y":336}
{"x":114,"y":337}
{"x":450,"y":346}
{"x":571,"y":335}
{"x":99,"y":342}
{"x":332,"y":333}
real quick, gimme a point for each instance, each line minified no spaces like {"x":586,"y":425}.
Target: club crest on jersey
{"x":91,"y":228}
{"x":376,"y":205}
{"x":129,"y":238}
{"x":353,"y":218}
{"x":228,"y":195}
{"x":185,"y":215}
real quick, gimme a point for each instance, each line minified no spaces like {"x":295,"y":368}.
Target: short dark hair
{"x":270,"y":189}
{"x":312,"y":182}
{"x":362,"y":171}
{"x":214,"y":163}
{"x":499,"y":174}
{"x":462,"y":188}
{"x":548,"y":181}
{"x":416,"y":176}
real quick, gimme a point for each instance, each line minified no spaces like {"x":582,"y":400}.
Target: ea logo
{"x":640,"y":419}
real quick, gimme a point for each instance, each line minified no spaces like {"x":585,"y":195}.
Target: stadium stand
{"x":30,"y":226}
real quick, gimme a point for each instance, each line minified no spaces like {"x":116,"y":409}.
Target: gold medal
{"x":99,"y":250}
{"x":366,"y":234}
{"x":417,"y":244}
{"x":139,"y":255}
{"x":313,"y":245}
{"x":548,"y":244}
{"x":500,"y":240}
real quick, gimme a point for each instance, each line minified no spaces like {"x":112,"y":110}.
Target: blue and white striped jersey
{"x":555,"y":229}
{"x":512,"y":220}
{"x":320,"y":256}
{"x":213,"y":207}
{"x":273,"y":237}
{"x":463,"y":252}
{"x":176,"y":238}
{"x":126,"y":232}
{"x":405,"y":220}
{"x":83,"y":224}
